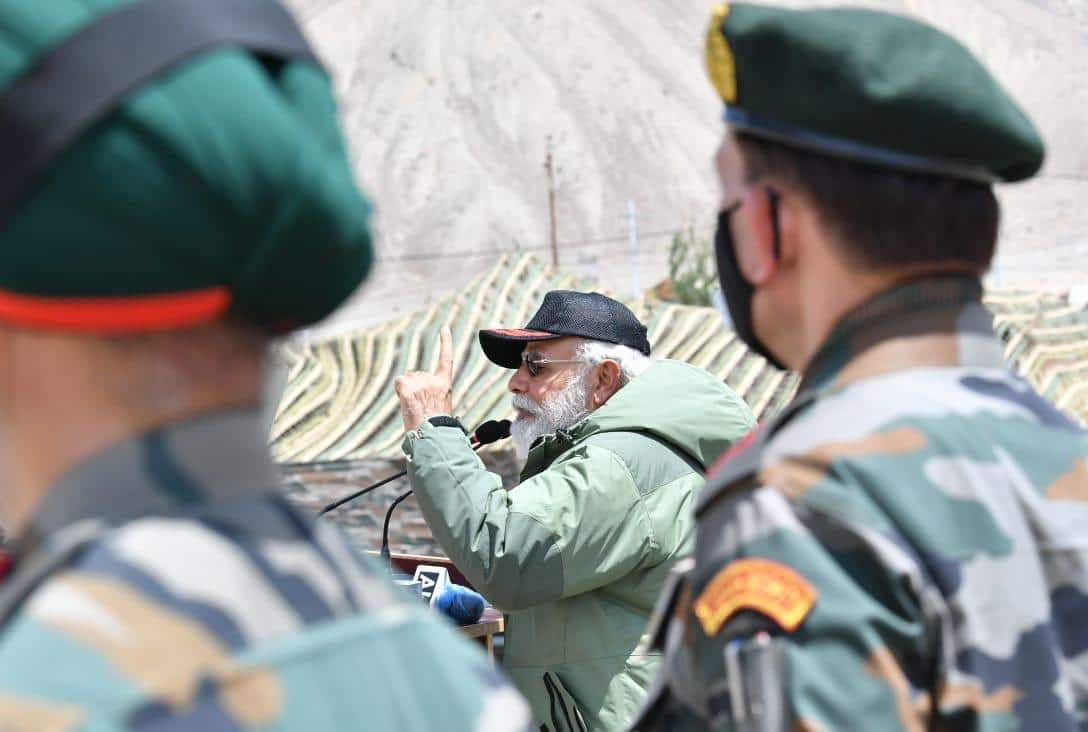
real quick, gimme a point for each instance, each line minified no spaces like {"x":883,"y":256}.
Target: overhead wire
{"x":567,"y":245}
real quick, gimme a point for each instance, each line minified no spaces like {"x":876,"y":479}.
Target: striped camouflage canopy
{"x":1046,"y":341}
{"x":339,"y":403}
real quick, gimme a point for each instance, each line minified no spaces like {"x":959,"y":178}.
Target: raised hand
{"x":423,"y":394}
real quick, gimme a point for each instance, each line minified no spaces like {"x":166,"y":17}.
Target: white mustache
{"x":526,"y":404}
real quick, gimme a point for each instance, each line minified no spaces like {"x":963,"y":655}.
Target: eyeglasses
{"x":533,"y":362}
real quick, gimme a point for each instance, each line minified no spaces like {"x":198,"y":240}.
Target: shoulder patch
{"x":767,"y":587}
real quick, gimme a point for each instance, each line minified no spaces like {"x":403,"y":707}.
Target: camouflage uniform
{"x":913,"y":524}
{"x":165,"y":585}
{"x":170,"y":164}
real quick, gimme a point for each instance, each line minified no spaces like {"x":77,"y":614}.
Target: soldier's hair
{"x":883,"y":217}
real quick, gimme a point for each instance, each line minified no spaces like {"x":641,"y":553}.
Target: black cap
{"x":567,"y":313}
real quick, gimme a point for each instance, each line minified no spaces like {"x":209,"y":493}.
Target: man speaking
{"x":616,"y":445}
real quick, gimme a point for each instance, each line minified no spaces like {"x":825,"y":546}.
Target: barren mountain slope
{"x":448,"y":106}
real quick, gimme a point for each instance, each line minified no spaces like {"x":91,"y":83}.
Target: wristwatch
{"x":444,"y":420}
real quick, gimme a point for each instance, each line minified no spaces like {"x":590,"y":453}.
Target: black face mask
{"x":737,"y":290}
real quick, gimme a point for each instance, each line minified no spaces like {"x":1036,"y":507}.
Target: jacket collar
{"x":549,"y":447}
{"x":946,"y":311}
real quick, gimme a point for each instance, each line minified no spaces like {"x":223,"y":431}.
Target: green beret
{"x":217,"y":186}
{"x":868,"y":86}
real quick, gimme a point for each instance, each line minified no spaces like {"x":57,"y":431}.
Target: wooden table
{"x":485,"y":629}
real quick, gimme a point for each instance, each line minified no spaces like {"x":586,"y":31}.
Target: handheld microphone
{"x":491,"y":431}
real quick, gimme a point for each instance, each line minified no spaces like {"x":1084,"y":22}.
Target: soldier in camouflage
{"x":160,"y":221}
{"x":903,"y":547}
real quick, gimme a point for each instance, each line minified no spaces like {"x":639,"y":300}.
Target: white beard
{"x":559,"y":411}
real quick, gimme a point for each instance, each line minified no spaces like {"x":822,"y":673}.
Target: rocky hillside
{"x":449,"y":107}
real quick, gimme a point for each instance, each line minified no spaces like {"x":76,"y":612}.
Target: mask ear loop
{"x":773,"y":198}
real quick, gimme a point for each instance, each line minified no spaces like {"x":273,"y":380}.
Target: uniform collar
{"x":938,"y":321}
{"x":213,"y":457}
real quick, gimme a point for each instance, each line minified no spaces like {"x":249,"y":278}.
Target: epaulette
{"x":45,"y":562}
{"x":735,"y":471}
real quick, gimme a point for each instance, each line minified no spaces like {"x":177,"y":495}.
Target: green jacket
{"x":577,"y":554}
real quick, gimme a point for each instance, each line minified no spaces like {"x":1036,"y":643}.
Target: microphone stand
{"x":488,"y":432}
{"x":396,"y":502}
{"x":385,"y":527}
{"x":351,"y":497}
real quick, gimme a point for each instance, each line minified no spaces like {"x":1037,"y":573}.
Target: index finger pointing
{"x":445,"y":355}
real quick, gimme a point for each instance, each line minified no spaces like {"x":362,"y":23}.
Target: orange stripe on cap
{"x":522,"y":333}
{"x":115,"y":314}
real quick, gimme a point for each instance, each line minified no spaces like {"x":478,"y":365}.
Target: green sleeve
{"x":578,"y":525}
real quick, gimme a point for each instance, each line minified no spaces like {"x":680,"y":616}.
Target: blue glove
{"x":460,"y":604}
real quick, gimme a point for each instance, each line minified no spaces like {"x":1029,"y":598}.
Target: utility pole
{"x":549,"y":165}
{"x":632,"y":235}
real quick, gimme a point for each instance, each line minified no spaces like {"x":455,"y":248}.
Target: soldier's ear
{"x":757,"y":245}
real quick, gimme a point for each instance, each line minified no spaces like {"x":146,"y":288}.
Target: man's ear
{"x":756,"y":253}
{"x":605,"y":382}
